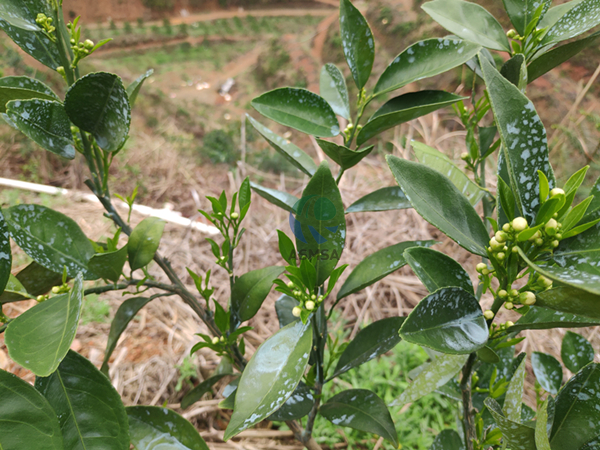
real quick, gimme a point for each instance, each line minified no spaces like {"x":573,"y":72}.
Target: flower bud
{"x":495,"y":245}
{"x":539,"y":242}
{"x":558,"y":236}
{"x":514,"y":249}
{"x":545,"y":282}
{"x":89,"y":44}
{"x":488,"y":314}
{"x":40,"y":298}
{"x":537,"y":235}
{"x":527,"y":298}
{"x":519,"y":224}
{"x":310,"y":305}
{"x":506,"y":227}
{"x":509,"y":305}
{"x":511,"y":34}
{"x":56,"y":289}
{"x":290,"y":285}
{"x":321,"y":298}
{"x":296,"y":311}
{"x":513,"y":293}
{"x":215,"y":340}
{"x":555,"y":243}
{"x":61,"y":70}
{"x":313,"y":297}
{"x":222,"y":339}
{"x":500,"y":256}
{"x":481,"y":267}
{"x":234,"y":215}
{"x":500,"y":236}
{"x":464,"y":156}
{"x":502,"y":293}
{"x":556,"y":191}
{"x":551,"y":227}
{"x":509,"y":324}
{"x":485,"y":272}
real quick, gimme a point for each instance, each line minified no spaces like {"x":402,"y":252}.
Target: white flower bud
{"x":527,"y":298}
{"x":310,"y":305}
{"x":556,"y":191}
{"x":481,"y":267}
{"x":296,"y":311}
{"x":502,"y":293}
{"x":215,"y":340}
{"x":488,"y":314}
{"x":519,"y":224}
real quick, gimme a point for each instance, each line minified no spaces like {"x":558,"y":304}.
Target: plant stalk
{"x":465,"y":387}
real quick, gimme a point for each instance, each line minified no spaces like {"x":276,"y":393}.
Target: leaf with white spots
{"x":40,"y":338}
{"x":23,"y":88}
{"x":357,"y":42}
{"x":5,"y":254}
{"x":576,"y":352}
{"x":425,"y":59}
{"x":439,"y":372}
{"x":98,"y":103}
{"x":537,"y":318}
{"x":384,"y":199}
{"x":22,"y":13}
{"x":300,"y":109}
{"x":542,"y":440}
{"x":361,"y":410}
{"x":45,"y":122}
{"x":449,"y":321}
{"x":514,"y":394}
{"x":271,"y":376}
{"x":517,"y":435}
{"x":297,"y":406}
{"x":582,"y":17}
{"x":469,"y":21}
{"x":437,"y":270}
{"x":52,"y":239}
{"x":548,"y":371}
{"x":524,"y":141}
{"x":332,"y":87}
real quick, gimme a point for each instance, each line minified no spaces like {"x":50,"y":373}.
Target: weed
{"x":218,"y":147}
{"x":187,"y":370}
{"x":94,"y":310}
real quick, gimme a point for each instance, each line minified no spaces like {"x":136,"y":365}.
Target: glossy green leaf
{"x":292,"y":153}
{"x":441,"y":204}
{"x":557,"y":56}
{"x":404,"y":108}
{"x":196,"y":394}
{"x":89,"y":409}
{"x":283,"y":308}
{"x":542,"y":440}
{"x":333,"y":89}
{"x":488,"y":355}
{"x":548,"y":371}
{"x":153,"y":428}
{"x":109,"y":266}
{"x":144,"y":241}
{"x":377,"y":266}
{"x":45,"y":122}
{"x":358,"y":43}
{"x":40,"y":338}
{"x":437,"y":270}
{"x":384,"y":199}
{"x":515,"y":71}
{"x":126,"y":312}
{"x":229,"y":392}
{"x":425,"y":59}
{"x":514,"y":394}
{"x":447,"y":440}
{"x":517,"y":435}
{"x":521,"y":12}
{"x":278,"y":198}
{"x":14,"y":291}
{"x":271,"y":376}
{"x":437,"y":160}
{"x":449,"y":320}
{"x":576,"y":418}
{"x":300,"y":109}
{"x":370,"y":342}
{"x":22,"y":13}
{"x":23,"y":88}
{"x":582,"y":17}
{"x":343,"y":156}
{"x":525,"y":145}
{"x":297,"y":406}
{"x":134,"y":88}
{"x":250,"y":291}
{"x":542,"y":319}
{"x":5,"y":255}
{"x":576,"y":352}
{"x":38,"y":280}
{"x":35,"y":43}
{"x":468,"y":21}
{"x":361,"y":410}
{"x":439,"y":372}
{"x":27,"y":421}
{"x":98,"y":103}
{"x":319,"y":223}
{"x":570,"y":300}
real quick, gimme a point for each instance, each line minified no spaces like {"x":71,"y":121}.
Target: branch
{"x":465,"y":387}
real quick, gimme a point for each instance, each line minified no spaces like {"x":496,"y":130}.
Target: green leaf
{"x":319,"y":223}
{"x":5,"y":255}
{"x":488,"y":355}
{"x":23,"y":88}
{"x":517,"y":436}
{"x":447,"y":440}
{"x":292,"y":153}
{"x":98,"y":103}
{"x":515,"y":71}
{"x":555,"y":57}
{"x":594,"y":444}
{"x":278,"y":198}
{"x":437,"y":160}
{"x":582,"y":17}
{"x":27,"y":420}
{"x":250,"y":291}
{"x":441,"y":204}
{"x":361,"y":410}
{"x":153,"y":427}
{"x":439,"y":372}
{"x":14,"y":291}
{"x":425,"y":59}
{"x":333,"y":89}
{"x":126,"y":312}
{"x":576,"y":352}
{"x":576,"y":418}
{"x":404,"y":108}
{"x":556,"y":12}
{"x":134,"y":88}
{"x":542,"y":440}
{"x":40,"y":338}
{"x":90,"y":410}
{"x":109,"y":266}
{"x":245,"y":195}
{"x":196,"y":394}
{"x":35,"y":43}
{"x":144,"y":241}
{"x":548,"y":371}
{"x":45,"y":122}
{"x":521,"y":12}
{"x":384,"y":199}
{"x":542,"y":319}
{"x":449,"y":321}
{"x":358,"y":43}
{"x":370,"y":342}
{"x":377,"y":266}
{"x":468,"y":21}
{"x":287,"y":249}
{"x":436,"y":270}
{"x":570,"y":300}
{"x":300,"y":109}
{"x":283,"y":307}
{"x":297,"y":406}
{"x":229,"y":392}
{"x":343,"y":156}
{"x":279,"y":364}
{"x":525,"y":145}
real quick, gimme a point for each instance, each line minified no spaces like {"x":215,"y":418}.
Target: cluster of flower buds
{"x":308,"y":302}
{"x":217,"y":340}
{"x":502,"y":326}
{"x":45,"y":23}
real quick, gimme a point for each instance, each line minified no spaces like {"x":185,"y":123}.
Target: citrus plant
{"x":539,"y":251}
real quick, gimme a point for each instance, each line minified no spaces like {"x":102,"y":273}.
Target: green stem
{"x":122,"y":286}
